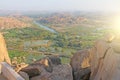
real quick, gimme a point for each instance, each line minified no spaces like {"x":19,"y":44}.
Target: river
{"x":45,"y":27}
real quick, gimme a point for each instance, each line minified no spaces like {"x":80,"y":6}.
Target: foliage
{"x":72,"y":36}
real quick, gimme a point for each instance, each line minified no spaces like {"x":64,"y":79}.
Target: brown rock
{"x":101,"y":47}
{"x":80,"y":64}
{"x":60,"y":72}
{"x":109,"y":67}
{"x":24,"y":75}
{"x":48,"y":62}
{"x":3,"y":51}
{"x":55,"y":60}
{"x":116,"y":46}
{"x":49,"y":68}
{"x":32,"y":71}
{"x":105,"y":60}
{"x":42,"y":65}
{"x":97,"y":53}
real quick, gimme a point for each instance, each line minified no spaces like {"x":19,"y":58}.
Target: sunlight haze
{"x":61,"y":5}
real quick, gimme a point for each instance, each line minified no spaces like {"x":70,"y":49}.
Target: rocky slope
{"x":48,"y":68}
{"x":14,"y":22}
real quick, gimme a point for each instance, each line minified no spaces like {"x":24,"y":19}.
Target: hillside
{"x":8,"y":22}
{"x":61,"y":18}
{"x":63,"y":22}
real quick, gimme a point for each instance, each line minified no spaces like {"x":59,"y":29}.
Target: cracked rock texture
{"x":101,"y":62}
{"x":104,"y":60}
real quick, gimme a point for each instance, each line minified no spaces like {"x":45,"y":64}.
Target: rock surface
{"x":102,"y":60}
{"x":105,"y":58}
{"x":49,"y":68}
{"x":80,"y":65}
{"x":3,"y":51}
{"x":24,"y":75}
{"x":97,"y":54}
{"x":60,"y":72}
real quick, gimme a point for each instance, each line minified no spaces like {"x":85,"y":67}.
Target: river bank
{"x":45,"y":27}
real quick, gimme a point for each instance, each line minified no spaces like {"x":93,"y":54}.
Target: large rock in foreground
{"x":97,"y":55}
{"x":105,"y":58}
{"x":102,"y":60}
{"x":80,"y":65}
{"x":49,"y":68}
{"x":60,"y":72}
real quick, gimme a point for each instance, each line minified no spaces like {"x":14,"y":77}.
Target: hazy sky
{"x":61,"y":5}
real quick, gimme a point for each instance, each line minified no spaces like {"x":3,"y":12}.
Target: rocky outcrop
{"x":49,"y":68}
{"x":3,"y":51}
{"x":60,"y":72}
{"x":80,"y":65}
{"x":97,"y":54}
{"x":101,"y":61}
{"x":105,"y":58}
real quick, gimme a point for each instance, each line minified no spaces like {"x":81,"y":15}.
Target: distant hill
{"x":74,"y":18}
{"x":72,"y":21}
{"x":61,"y":18}
{"x":16,"y":21}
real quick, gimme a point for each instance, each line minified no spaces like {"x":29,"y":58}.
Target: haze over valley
{"x":62,"y":40}
{"x":66,"y":32}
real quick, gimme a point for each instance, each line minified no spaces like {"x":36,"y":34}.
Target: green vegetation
{"x":69,"y":39}
{"x":63,"y":43}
